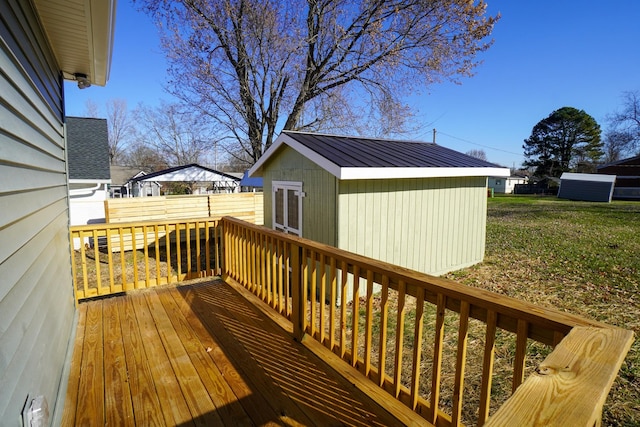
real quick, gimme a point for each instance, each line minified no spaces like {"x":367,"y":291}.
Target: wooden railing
{"x":450,"y":353}
{"x":112,"y":258}
{"x":392,"y":324}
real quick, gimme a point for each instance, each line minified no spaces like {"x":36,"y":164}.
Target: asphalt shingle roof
{"x":88,"y":148}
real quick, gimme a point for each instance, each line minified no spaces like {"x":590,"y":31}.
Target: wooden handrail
{"x":135,"y":255}
{"x":374,"y":316}
{"x":571,"y":385}
{"x":353,"y":280}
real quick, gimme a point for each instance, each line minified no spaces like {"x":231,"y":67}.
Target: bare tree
{"x":119,"y":126}
{"x":478,"y":154}
{"x":625,"y":124}
{"x":178,"y":137}
{"x":256,"y":65}
{"x":616,"y":144}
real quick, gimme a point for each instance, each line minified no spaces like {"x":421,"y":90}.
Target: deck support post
{"x":297,"y":309}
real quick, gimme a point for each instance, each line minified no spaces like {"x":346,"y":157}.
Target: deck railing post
{"x":297,"y":311}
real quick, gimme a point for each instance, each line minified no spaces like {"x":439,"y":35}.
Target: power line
{"x":479,"y":145}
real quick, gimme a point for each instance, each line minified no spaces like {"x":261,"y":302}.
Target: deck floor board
{"x":201,"y":355}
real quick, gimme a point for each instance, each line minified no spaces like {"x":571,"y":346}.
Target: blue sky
{"x":547,"y":54}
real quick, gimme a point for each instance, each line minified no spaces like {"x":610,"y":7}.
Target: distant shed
{"x":586,"y":187}
{"x":414,"y":204}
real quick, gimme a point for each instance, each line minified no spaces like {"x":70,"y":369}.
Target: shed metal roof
{"x":349,"y":157}
{"x":592,"y":177}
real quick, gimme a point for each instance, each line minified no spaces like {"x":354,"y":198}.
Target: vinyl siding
{"x":432,"y":225}
{"x":36,"y":297}
{"x":319,"y":186}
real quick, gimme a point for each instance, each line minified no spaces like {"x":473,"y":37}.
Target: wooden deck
{"x":201,"y":355}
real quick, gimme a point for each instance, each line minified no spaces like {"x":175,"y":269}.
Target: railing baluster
{"x":74,"y":267}
{"x":304,"y":263}
{"x":368,"y":324}
{"x":178,"y":234}
{"x":281,"y":276}
{"x":461,"y":360}
{"x":417,"y":348}
{"x":156,"y":248}
{"x":207,"y":248}
{"x":187,"y":243}
{"x":83,"y":261}
{"x":397,"y":369}
{"x":384,"y":315}
{"x":112,"y":285}
{"x":322,"y":297}
{"x":355,"y":315}
{"x":123,"y":269}
{"x":287,"y":279}
{"x":96,"y":255}
{"x":134,"y":251}
{"x":147,"y":282}
{"x":333,"y":295}
{"x":343,"y":307}
{"x":436,"y":371}
{"x":198,"y":250}
{"x":521,"y":352}
{"x":312,"y":295}
{"x":167,"y":240}
{"x":263,"y":267}
{"x":487,"y":367}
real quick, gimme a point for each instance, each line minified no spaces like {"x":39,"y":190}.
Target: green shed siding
{"x":319,"y":186}
{"x":433,"y":225}
{"x":36,"y":294}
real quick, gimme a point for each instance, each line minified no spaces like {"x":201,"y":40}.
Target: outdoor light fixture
{"x":83,"y":81}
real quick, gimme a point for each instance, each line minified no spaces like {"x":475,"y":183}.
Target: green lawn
{"x":579,"y":257}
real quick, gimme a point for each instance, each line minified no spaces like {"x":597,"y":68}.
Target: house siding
{"x":409,"y":222}
{"x":319,"y":186}
{"x":36,"y":297}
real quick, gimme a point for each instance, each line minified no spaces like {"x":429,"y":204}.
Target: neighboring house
{"x":589,"y":187}
{"x":202,"y":180}
{"x":418,"y":205}
{"x":627,"y":173}
{"x":89,"y":174}
{"x":125,"y":183}
{"x":505,"y":185}
{"x":40,"y":46}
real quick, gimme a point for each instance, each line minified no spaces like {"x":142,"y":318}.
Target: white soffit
{"x":81,"y":35}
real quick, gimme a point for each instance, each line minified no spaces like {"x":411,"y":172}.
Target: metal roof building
{"x":414,"y":204}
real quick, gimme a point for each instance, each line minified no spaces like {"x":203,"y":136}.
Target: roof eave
{"x":432,"y":172}
{"x":82,"y":41}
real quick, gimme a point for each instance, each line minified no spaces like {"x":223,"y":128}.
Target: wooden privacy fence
{"x":394,"y":325}
{"x":245,"y":206}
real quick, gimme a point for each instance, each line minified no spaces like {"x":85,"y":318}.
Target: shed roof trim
{"x":592,"y":177}
{"x":367,"y":158}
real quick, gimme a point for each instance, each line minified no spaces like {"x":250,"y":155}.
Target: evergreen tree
{"x":567,"y":140}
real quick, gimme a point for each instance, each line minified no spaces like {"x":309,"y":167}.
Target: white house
{"x":89,"y":174}
{"x":505,"y":185}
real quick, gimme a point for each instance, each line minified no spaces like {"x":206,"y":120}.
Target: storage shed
{"x":586,"y":187}
{"x":414,"y":204}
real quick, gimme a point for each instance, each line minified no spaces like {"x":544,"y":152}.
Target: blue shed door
{"x":287,"y":207}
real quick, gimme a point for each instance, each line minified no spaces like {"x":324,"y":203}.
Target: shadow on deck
{"x":201,"y":354}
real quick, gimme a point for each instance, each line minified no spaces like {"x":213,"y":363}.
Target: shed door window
{"x":287,"y":207}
